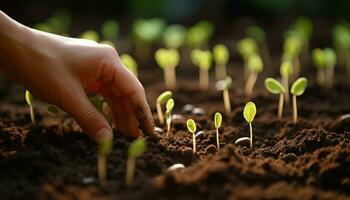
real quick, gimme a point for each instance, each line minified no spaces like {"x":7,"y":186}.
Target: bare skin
{"x":61,"y":70}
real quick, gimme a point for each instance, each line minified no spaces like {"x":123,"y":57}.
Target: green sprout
{"x":275,"y":87}
{"x":286,"y":70}
{"x":318,"y":58}
{"x":225,"y":85}
{"x":202,"y":59}
{"x":104,"y":148}
{"x":161,"y":100}
{"x":174,"y":36}
{"x":303,"y":26}
{"x":341,"y":42}
{"x":90,"y":35}
{"x":130,"y":64}
{"x":191,"y":126}
{"x":55,"y":111}
{"x":136,"y":149}
{"x":292,"y":47}
{"x":168,"y":59}
{"x":217,"y":123}
{"x":200,"y":34}
{"x":221,"y":56}
{"x":249,"y":114}
{"x":254,"y":67}
{"x":258,"y":34}
{"x":169,"y":109}
{"x":30,"y":99}
{"x":247,"y":47}
{"x":110,"y":30}
{"x":297,"y":89}
{"x":330,"y":62}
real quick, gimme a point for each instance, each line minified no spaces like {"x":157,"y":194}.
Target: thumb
{"x":87,"y":116}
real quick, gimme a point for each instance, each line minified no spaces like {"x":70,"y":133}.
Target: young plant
{"x":162,"y":99}
{"x":169,"y":109}
{"x":258,"y":34}
{"x":130,"y":64}
{"x":217,"y":123}
{"x":55,"y":111}
{"x":275,"y":87}
{"x":29,"y":99}
{"x":136,"y":149}
{"x":247,"y":47}
{"x":168,"y":59}
{"x":221,"y":57}
{"x":225,"y":85}
{"x":286,"y":70}
{"x":249,"y":114}
{"x":174,"y":36}
{"x":203,"y":60}
{"x":90,"y":35}
{"x":292,"y":47}
{"x":104,"y":149}
{"x":318,"y":58}
{"x":330,"y":62}
{"x":254,"y":66}
{"x":199,"y":34}
{"x":110,"y":30}
{"x":191,"y":126}
{"x":297,"y":89}
{"x":341,"y":43}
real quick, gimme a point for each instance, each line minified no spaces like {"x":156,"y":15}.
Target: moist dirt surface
{"x":307,"y":160}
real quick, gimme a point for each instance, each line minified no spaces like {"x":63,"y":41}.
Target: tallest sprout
{"x":330,"y":62}
{"x":221,"y":57}
{"x":286,"y":70}
{"x":255,"y":66}
{"x":258,"y":34}
{"x":297,"y":89}
{"x":168,"y":59}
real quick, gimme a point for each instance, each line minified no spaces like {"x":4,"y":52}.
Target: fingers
{"x":77,"y":104}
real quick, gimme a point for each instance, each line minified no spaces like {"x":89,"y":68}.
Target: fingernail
{"x":103,"y":134}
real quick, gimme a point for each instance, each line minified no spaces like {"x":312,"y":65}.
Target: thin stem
{"x":220,"y":72}
{"x":227,"y":102}
{"x":321,"y":77}
{"x":217,"y":138}
{"x":280,"y":106}
{"x":329,"y":76}
{"x":194,"y":143}
{"x":285,"y":81}
{"x":295,"y":111}
{"x":32,"y":116}
{"x":101,"y":168}
{"x":170,"y":77}
{"x":251,"y":135}
{"x":130,"y":170}
{"x":160,"y":113}
{"x":250,"y":84}
{"x":168,"y":127}
{"x":203,"y":79}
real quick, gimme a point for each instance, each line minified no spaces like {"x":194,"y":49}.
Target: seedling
{"x":130,"y":63}
{"x":217,"y":123}
{"x":297,"y":89}
{"x":191,"y":126}
{"x":29,"y":99}
{"x":221,"y":57}
{"x":341,"y":40}
{"x":200,"y":34}
{"x":292,"y":46}
{"x":275,"y":87}
{"x":169,"y":109}
{"x":249,"y":114}
{"x":162,"y":99}
{"x":254,"y":66}
{"x":225,"y":85}
{"x":90,"y":35}
{"x":258,"y":34}
{"x":330,"y":62}
{"x":286,"y":70}
{"x":136,"y":149}
{"x":318,"y":58}
{"x":174,"y":36}
{"x":104,"y":149}
{"x":168,"y":59}
{"x":247,"y":47}
{"x":55,"y":111}
{"x":203,"y":60}
{"x":110,"y":30}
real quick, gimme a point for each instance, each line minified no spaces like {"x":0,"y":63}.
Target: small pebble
{"x":243,"y":141}
{"x":198,"y":111}
{"x":89,"y":180}
{"x":157,"y":129}
{"x":176,"y":167}
{"x":200,"y":134}
{"x":187,"y":108}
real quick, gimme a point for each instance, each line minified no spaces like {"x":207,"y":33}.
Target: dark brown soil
{"x":309,"y":160}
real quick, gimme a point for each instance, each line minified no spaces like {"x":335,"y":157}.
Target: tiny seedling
{"x":249,"y":114}
{"x":168,"y":59}
{"x":90,"y":35}
{"x":254,"y":66}
{"x":318,"y":58}
{"x":110,"y":30}
{"x":191,"y":126}
{"x":297,"y":89}
{"x":130,"y":63}
{"x":247,"y":47}
{"x":55,"y":111}
{"x":162,"y":99}
{"x":221,"y":56}
{"x":225,"y":85}
{"x":341,"y":40}
{"x":169,"y":109}
{"x":199,"y":34}
{"x":275,"y":87}
{"x":217,"y":123}
{"x":174,"y":36}
{"x":29,"y":99}
{"x":136,"y":149}
{"x":292,"y":47}
{"x":258,"y":34}
{"x":286,"y":70}
{"x":330,"y":62}
{"x":104,"y":148}
{"x":202,"y":59}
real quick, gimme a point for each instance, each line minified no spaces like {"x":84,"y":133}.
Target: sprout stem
{"x":250,"y":84}
{"x":130,"y":170}
{"x":285,"y":82}
{"x":101,"y":168}
{"x":251,"y":135}
{"x":220,"y":72}
{"x":227,"y":102}
{"x":204,"y":79}
{"x":160,"y":113}
{"x":194,"y":143}
{"x":217,"y":138}
{"x":280,"y":106}
{"x":168,"y":128}
{"x":32,"y":116}
{"x":329,"y":77}
{"x":170,"y":77}
{"x":321,"y":77}
{"x":295,"y":111}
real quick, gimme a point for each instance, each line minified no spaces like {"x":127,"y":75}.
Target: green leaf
{"x":129,"y":63}
{"x":249,"y":112}
{"x":169,"y":105}
{"x":255,"y":64}
{"x":167,"y":57}
{"x":330,"y":57}
{"x":105,"y":147}
{"x":286,"y":69}
{"x":195,"y":56}
{"x":199,"y":34}
{"x":220,"y":54}
{"x":53,"y":110}
{"x":148,"y":30}
{"x":164,"y":97}
{"x":174,"y":36}
{"x":137,"y":148}
{"x":304,"y":26}
{"x":90,"y":35}
{"x":191,"y":126}
{"x":29,"y":98}
{"x":292,"y":45}
{"x":247,"y":47}
{"x":318,"y":58}
{"x":256,"y":33}
{"x":110,"y":30}
{"x":299,"y":86}
{"x":273,"y":86}
{"x":217,"y":120}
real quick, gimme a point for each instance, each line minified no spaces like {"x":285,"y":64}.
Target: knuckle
{"x":89,"y":118}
